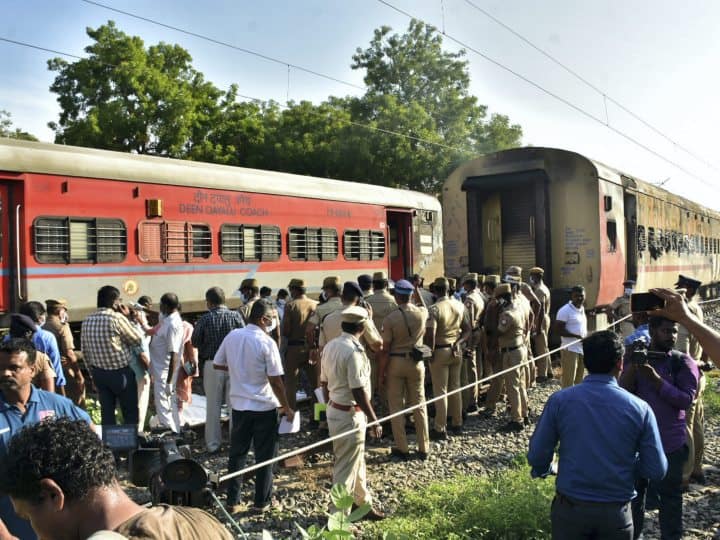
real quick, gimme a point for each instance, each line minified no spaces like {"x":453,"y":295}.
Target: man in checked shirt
{"x":207,"y":336}
{"x":107,"y":338}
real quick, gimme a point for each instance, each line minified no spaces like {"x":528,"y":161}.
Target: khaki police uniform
{"x":445,"y":320}
{"x":471,"y":369}
{"x":492,"y":353}
{"x":512,"y":322}
{"x":621,"y":308}
{"x":540,"y":340}
{"x":523,"y":303}
{"x":332,"y":328}
{"x":406,"y":377}
{"x":345,"y":366}
{"x":297,"y":356}
{"x":382,"y":303}
{"x":75,"y":387}
{"x":246,"y":308}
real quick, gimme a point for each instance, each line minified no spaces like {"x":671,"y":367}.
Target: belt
{"x":576,"y":502}
{"x":345,"y":408}
{"x":296,"y":342}
{"x":399,"y":354}
{"x":446,"y":346}
{"x":508,"y":349}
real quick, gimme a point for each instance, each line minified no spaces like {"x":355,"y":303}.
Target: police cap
{"x":351,"y":288}
{"x":404,"y":287}
{"x":354,"y":314}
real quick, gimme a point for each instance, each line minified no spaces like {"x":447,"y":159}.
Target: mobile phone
{"x":645,"y":302}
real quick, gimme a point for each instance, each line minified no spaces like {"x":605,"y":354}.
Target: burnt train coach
{"x":582,"y":221}
{"x":74,"y":219}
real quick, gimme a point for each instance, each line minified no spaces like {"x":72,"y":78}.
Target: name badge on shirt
{"x":42,"y":415}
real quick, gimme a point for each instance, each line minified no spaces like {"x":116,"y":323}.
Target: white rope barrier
{"x":402,"y":412}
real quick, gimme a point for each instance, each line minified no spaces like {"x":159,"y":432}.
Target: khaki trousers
{"x":540,"y":344}
{"x":695,"y":429}
{"x":515,"y":383}
{"x":405,"y":388}
{"x":445,"y":375}
{"x":469,"y":374}
{"x":349,"y":467}
{"x":573,"y":368}
{"x":296,"y":358}
{"x":530,"y":373}
{"x":75,"y":384}
{"x":497,"y":384}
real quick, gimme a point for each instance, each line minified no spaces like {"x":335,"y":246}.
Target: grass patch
{"x":505,"y":505}
{"x":711,"y":396}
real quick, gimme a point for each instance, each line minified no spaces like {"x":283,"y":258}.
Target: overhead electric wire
{"x":225,"y":44}
{"x":251,"y":98}
{"x":590,"y":85}
{"x":552,"y":94}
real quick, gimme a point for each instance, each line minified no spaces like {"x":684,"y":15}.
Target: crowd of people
{"x":364,"y":350}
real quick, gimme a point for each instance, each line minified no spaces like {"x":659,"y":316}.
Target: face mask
{"x":628,"y":291}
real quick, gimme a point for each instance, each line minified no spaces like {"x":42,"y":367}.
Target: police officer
{"x":332,"y":325}
{"x":365,"y":282}
{"x":529,"y":302}
{"x":491,"y":350}
{"x":448,"y":329}
{"x":402,"y":330}
{"x":331,"y":293}
{"x":294,"y":327}
{"x":621,"y":308}
{"x":471,"y":366}
{"x":540,"y":339}
{"x":57,"y":324}
{"x":512,"y":322}
{"x":382,"y":304}
{"x":345,"y":378}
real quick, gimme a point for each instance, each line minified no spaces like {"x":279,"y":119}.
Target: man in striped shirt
{"x":106,"y":340}
{"x":207,"y":336}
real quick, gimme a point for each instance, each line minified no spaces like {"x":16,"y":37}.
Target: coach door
{"x":508,"y":222}
{"x":5,"y":257}
{"x":399,"y":224}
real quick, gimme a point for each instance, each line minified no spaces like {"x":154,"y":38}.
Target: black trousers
{"x":116,"y":385}
{"x":669,"y":493}
{"x":573,"y":520}
{"x":260,"y":429}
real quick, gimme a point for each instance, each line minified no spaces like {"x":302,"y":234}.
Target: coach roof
{"x":47,"y":158}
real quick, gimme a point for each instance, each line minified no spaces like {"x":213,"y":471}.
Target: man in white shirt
{"x":165,"y":358}
{"x":571,"y":325}
{"x":253,"y":361}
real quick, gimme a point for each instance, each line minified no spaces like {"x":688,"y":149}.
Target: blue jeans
{"x":115,"y":385}
{"x":669,"y":493}
{"x":260,"y":429}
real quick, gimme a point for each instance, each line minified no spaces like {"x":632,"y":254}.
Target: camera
{"x":639,"y":353}
{"x":163,"y":463}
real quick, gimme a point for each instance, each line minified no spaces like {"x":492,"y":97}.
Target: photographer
{"x":107,"y":339}
{"x":667,"y":380}
{"x":606,"y":437}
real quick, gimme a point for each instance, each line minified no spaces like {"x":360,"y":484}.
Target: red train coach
{"x":74,"y":219}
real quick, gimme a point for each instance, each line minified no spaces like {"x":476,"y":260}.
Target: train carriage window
{"x":642,"y":242}
{"x":611,"y":229}
{"x":312,"y":244}
{"x":79,"y":240}
{"x":173,"y":241}
{"x":249,"y":242}
{"x":200,"y":240}
{"x":363,"y":245}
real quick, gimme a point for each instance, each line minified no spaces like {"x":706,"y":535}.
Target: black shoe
{"x":472,"y":408}
{"x":526,"y":421}
{"x":541,"y":379}
{"x":422,"y":456}
{"x":511,"y":427}
{"x":455,"y":430}
{"x":698,"y":479}
{"x":374,"y":515}
{"x":436,"y":435}
{"x":396,"y":452}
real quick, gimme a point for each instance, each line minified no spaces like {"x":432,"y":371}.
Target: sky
{"x":655,"y":57}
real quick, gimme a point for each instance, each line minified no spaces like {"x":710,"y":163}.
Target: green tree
{"x":126,"y":97}
{"x":7,"y":130}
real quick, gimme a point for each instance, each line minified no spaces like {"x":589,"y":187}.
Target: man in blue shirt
{"x":607,"y":437}
{"x":21,"y":404}
{"x":45,"y":341}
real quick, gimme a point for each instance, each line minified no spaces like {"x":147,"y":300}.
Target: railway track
{"x":303,"y":490}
